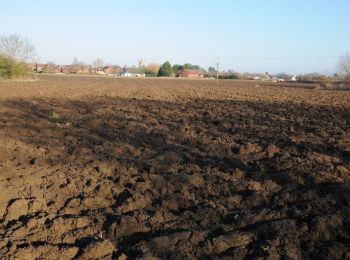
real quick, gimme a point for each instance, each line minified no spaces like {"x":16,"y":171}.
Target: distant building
{"x":68,"y":69}
{"x":127,"y":74}
{"x":39,"y":67}
{"x":133,"y":75}
{"x":139,"y":75}
{"x":111,"y":70}
{"x":267,"y":77}
{"x":274,"y":79}
{"x":100,"y":72}
{"x":194,"y":74}
{"x":85,"y":69}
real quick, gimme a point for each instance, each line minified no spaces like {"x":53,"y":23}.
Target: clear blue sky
{"x":294,"y":36}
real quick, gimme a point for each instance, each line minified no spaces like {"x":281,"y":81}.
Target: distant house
{"x":59,"y":69}
{"x":267,"y":77}
{"x":84,"y":69}
{"x":132,"y":72}
{"x":68,"y":69}
{"x":139,"y":75}
{"x":194,"y":74}
{"x":100,"y":72}
{"x":133,"y":75}
{"x":111,"y":70}
{"x":274,"y":79}
{"x":39,"y":67}
{"x":127,"y":74}
{"x":31,"y":66}
{"x":49,"y":68}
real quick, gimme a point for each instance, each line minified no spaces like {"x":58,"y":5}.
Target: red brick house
{"x":111,"y":70}
{"x":39,"y":67}
{"x":194,"y":74}
{"x":68,"y":69}
{"x":49,"y":68}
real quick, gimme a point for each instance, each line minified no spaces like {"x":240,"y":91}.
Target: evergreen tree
{"x":165,"y":70}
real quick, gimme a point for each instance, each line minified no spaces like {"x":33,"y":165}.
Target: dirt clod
{"x":105,"y":168}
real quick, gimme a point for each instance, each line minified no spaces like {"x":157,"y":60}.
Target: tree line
{"x":16,"y":51}
{"x":168,"y":70}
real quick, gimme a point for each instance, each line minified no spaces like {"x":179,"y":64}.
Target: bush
{"x":4,"y":69}
{"x":165,"y":70}
{"x":9,"y":68}
{"x":229,"y":76}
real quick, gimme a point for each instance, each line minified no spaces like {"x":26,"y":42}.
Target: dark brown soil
{"x":116,"y":168}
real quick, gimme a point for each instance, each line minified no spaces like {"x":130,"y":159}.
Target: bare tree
{"x":344,"y":65}
{"x":98,"y":64}
{"x":16,"y":47}
{"x":152,"y":68}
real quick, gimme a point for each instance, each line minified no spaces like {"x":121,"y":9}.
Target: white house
{"x":133,"y":75}
{"x":127,"y":74}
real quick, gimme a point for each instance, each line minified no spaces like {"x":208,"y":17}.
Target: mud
{"x":125,"y":169}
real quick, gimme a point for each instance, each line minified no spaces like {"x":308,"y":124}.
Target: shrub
{"x":4,"y":69}
{"x":165,"y":70}
{"x":9,"y":68}
{"x":229,"y":76}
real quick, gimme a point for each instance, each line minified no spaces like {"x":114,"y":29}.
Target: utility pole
{"x":217,"y":72}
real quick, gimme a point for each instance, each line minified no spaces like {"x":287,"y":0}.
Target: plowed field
{"x":152,"y":168}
